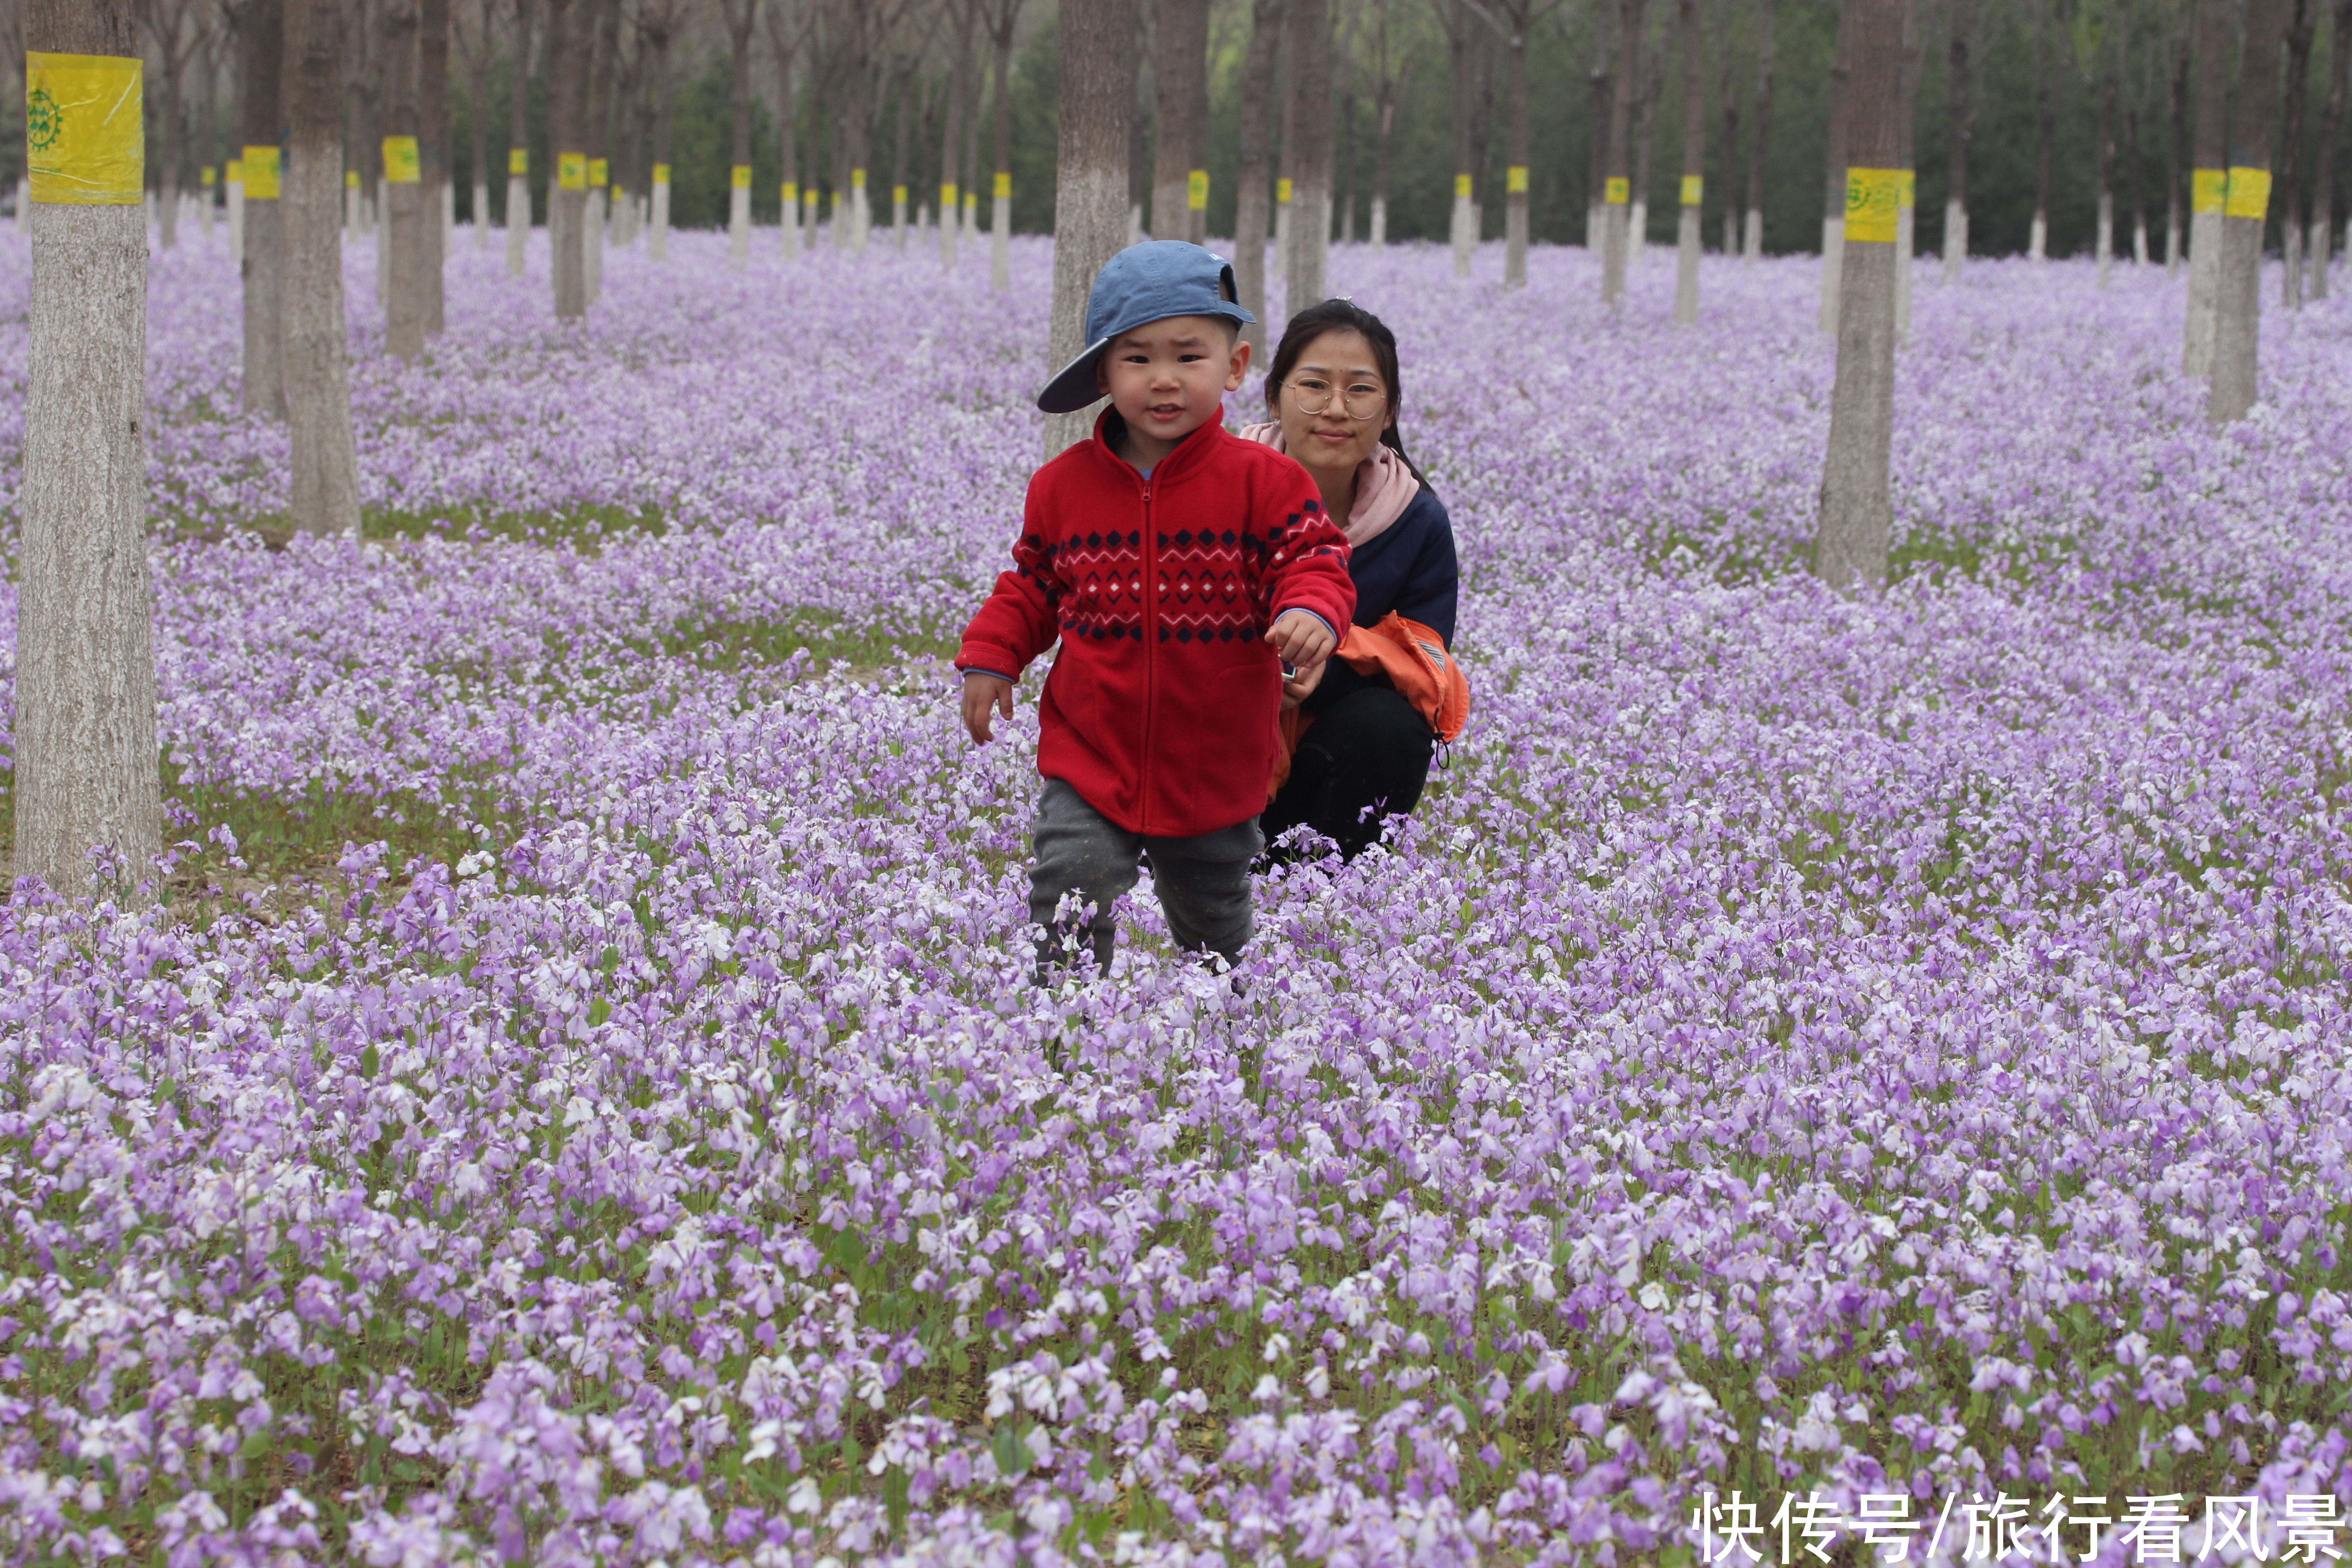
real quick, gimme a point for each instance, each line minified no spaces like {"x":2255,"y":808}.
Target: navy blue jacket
{"x":1409,"y":568}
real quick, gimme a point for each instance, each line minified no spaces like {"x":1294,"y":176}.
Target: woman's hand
{"x":1301,"y":687}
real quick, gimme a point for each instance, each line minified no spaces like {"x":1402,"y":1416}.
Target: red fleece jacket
{"x":1162,"y":708}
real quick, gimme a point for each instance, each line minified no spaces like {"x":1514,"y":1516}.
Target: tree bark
{"x":2208,"y":183}
{"x":1687,"y":239}
{"x":959,"y":103}
{"x":405,"y":214}
{"x":1857,"y":508}
{"x":1645,"y":127}
{"x":1000,"y":212}
{"x":603,"y":74}
{"x":1097,"y":90}
{"x":2104,"y":166}
{"x":2046,"y":133}
{"x":1617,"y":166}
{"x":2238,"y":294}
{"x":1907,"y":94}
{"x":1962,"y":130}
{"x":1834,"y":190}
{"x":2302,"y":26}
{"x":665,"y":91}
{"x":2331,"y":126}
{"x":1310,"y":160}
{"x":86,"y":781}
{"x":477,"y":119}
{"x":1252,"y":182}
{"x":326,"y":496}
{"x":570,"y":39}
{"x":2176,"y":161}
{"x":1755,"y":236}
{"x":261,"y":27}
{"x":1728,"y":185}
{"x":1180,"y":72}
{"x":519,"y":145}
{"x":1462,"y":45}
{"x":784,"y":40}
{"x":433,"y":154}
{"x":1384,"y":109}
{"x":1600,"y":93}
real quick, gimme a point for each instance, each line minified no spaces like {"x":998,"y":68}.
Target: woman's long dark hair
{"x":1343,"y":316}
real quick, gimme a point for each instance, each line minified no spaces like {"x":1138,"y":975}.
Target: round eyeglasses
{"x":1313,"y":395}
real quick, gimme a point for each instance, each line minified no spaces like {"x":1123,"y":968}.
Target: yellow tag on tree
{"x":2250,"y":194}
{"x":236,"y":174}
{"x":261,"y":174}
{"x":400,"y":161}
{"x":1908,"y":191}
{"x":85,"y":130}
{"x":790,"y":194}
{"x":519,"y":161}
{"x":1694,"y":190}
{"x":600,"y":174}
{"x":1618,"y":191}
{"x":899,"y":195}
{"x":1196,"y":191}
{"x":1514,"y":180}
{"x":1282,"y":192}
{"x":947,"y":193}
{"x":1461,"y":185}
{"x":1870,"y":197}
{"x":572,"y":171}
{"x":204,"y":177}
{"x":661,"y":173}
{"x":350,"y":179}
{"x":738,"y":176}
{"x":2208,"y":190}
{"x":857,"y":179}
{"x":1004,"y":182}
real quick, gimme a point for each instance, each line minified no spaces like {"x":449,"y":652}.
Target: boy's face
{"x":1167,"y":378}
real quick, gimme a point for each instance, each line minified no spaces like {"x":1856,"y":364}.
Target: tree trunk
{"x":1728,"y":184}
{"x":657,"y":186}
{"x":1834,"y":199}
{"x":1310,"y":160}
{"x":1906,"y":96}
{"x":2045,"y":128}
{"x":2302,"y":26}
{"x":1646,"y":117}
{"x":478,"y":121}
{"x":1000,"y":212}
{"x":1600,"y":83}
{"x":169,"y":191}
{"x":326,"y":496}
{"x":571,"y":42}
{"x":738,"y":106}
{"x":1283,"y":185}
{"x":2207,"y":185}
{"x":1962,"y":130}
{"x":519,"y":145}
{"x":2105,"y":166}
{"x":405,"y":214}
{"x":1180,"y":77}
{"x":1514,"y":15}
{"x":959,"y":104}
{"x":2238,"y":295}
{"x":1687,"y":239}
{"x":1755,"y":237}
{"x":604,"y":73}
{"x":433,"y":148}
{"x":1461,"y":43}
{"x":88,"y":790}
{"x":1617,"y":187}
{"x":2331,"y":125}
{"x":1251,"y":184}
{"x":786,"y":40}
{"x":1098,"y":93}
{"x":261,"y":26}
{"x":1857,"y":508}
{"x":2176,"y":161}
{"x":1384,"y":135}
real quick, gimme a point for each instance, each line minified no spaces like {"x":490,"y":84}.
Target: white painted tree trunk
{"x":1464,"y":232}
{"x":738,"y":225}
{"x":592,"y":243}
{"x":2037,"y":245}
{"x":2204,"y":280}
{"x":86,"y":772}
{"x":1751,"y":243}
{"x":658,"y":245}
{"x":1380,"y":220}
{"x":1955,"y":240}
{"x":861,"y":212}
{"x":1833,"y":266}
{"x":382,"y":228}
{"x":2172,"y":247}
{"x":1905,"y":225}
{"x":2106,"y":240}
{"x":448,"y":216}
{"x":481,"y":215}
{"x":23,"y":201}
{"x":518,"y":222}
{"x":898,"y":214}
{"x":950,"y":220}
{"x":235,"y":221}
{"x":1135,"y":223}
{"x":1638,"y":230}
{"x":203,"y":206}
{"x":1687,"y":241}
{"x":788,"y":220}
{"x":1000,"y":244}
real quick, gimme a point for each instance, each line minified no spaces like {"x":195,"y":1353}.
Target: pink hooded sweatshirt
{"x":1384,"y":486}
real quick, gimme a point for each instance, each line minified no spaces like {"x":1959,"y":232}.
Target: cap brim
{"x":1075,"y":385}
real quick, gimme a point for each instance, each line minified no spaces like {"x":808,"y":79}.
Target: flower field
{"x":581,"y":1100}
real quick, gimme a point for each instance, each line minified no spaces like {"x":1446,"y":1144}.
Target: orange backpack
{"x":1418,"y":666}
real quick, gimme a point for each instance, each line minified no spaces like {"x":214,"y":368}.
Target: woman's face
{"x":1336,"y":368}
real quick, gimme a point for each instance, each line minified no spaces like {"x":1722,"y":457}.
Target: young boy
{"x":1180,"y":567}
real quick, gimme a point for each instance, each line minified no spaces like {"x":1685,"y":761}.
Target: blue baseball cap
{"x":1147,"y":282}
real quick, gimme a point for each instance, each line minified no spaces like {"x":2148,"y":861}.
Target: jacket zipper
{"x":1151,"y":649}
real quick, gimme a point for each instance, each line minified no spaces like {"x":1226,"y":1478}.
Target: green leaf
{"x":598,"y":1011}
{"x":1013,"y":1455}
{"x":369,"y":1060}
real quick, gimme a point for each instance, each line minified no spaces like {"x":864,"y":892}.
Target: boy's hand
{"x":1301,"y":637}
{"x":1301,"y":687}
{"x":983,"y":692}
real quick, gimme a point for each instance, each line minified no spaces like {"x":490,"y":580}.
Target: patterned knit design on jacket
{"x":1161,"y":709}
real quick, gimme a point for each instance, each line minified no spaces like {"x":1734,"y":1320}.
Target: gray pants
{"x":1203,"y":881}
